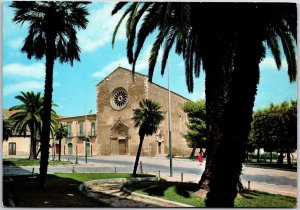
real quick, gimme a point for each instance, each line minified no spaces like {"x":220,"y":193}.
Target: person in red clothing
{"x":200,"y":158}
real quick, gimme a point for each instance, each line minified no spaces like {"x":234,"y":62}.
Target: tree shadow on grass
{"x":183,"y":189}
{"x":158,"y":188}
{"x":59,"y":192}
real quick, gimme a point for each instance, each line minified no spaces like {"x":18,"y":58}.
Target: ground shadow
{"x":59,"y":192}
{"x":158,"y":188}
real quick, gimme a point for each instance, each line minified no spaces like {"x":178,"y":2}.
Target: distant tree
{"x":147,"y":117}
{"x":28,"y":116}
{"x":196,"y":134}
{"x":51,"y":33}
{"x":7,"y":129}
{"x":275,"y":129}
{"x":60,"y":132}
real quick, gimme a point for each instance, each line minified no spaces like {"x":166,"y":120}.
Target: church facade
{"x":117,"y":95}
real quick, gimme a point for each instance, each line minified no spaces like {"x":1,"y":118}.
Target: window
{"x":119,"y":98}
{"x":12,"y":149}
{"x":93,"y":128}
{"x":81,"y":133}
{"x":69,"y":127}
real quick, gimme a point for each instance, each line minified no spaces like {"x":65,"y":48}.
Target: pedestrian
{"x":200,"y":158}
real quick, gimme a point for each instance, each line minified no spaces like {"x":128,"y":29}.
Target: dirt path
{"x":111,"y":192}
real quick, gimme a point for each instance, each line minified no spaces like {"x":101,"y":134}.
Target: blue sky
{"x":75,"y":86}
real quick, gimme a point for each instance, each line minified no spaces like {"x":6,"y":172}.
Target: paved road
{"x":269,"y":180}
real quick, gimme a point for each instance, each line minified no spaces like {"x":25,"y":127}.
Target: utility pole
{"x":169,"y":122}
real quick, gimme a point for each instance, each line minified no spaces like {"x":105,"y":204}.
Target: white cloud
{"x":141,"y":65}
{"x":100,"y":28}
{"x":16,"y":43}
{"x":269,"y":63}
{"x":22,"y":86}
{"x":112,"y":66}
{"x":36,"y":70}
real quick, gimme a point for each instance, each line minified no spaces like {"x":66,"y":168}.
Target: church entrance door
{"x":122,"y":147}
{"x":159,"y":147}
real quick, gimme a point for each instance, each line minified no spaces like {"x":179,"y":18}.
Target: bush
{"x":264,"y":156}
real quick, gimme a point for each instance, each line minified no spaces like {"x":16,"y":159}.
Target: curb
{"x":83,"y":188}
{"x":176,"y":204}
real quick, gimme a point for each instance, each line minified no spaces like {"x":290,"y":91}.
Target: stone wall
{"x":108,"y":118}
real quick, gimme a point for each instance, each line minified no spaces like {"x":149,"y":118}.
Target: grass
{"x":62,"y":190}
{"x":28,"y":162}
{"x":83,"y":177}
{"x":184,"y":193}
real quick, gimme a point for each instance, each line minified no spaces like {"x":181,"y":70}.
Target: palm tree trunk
{"x":46,"y":116}
{"x":216,"y":99}
{"x":33,"y":154}
{"x":138,"y":154}
{"x":236,"y":126}
{"x":59,"y":147}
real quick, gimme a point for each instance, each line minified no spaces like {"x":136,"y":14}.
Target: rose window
{"x":119,"y":98}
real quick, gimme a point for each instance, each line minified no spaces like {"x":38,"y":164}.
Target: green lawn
{"x":27,"y":162}
{"x":184,"y":193}
{"x":83,"y":177}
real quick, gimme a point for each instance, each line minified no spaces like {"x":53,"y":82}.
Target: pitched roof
{"x":122,"y":68}
{"x":7,"y":113}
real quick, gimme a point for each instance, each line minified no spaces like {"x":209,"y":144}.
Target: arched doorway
{"x":119,"y":138}
{"x":88,"y":148}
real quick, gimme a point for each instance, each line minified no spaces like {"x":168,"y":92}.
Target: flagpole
{"x":169,"y":122}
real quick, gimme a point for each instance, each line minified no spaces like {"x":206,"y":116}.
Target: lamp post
{"x":169,"y":123}
{"x":85,"y":120}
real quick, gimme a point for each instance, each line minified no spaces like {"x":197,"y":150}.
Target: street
{"x":268,"y":180}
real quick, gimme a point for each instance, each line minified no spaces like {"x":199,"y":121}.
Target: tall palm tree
{"x":28,"y":115}
{"x":147,"y":117}
{"x":7,"y":129}
{"x":52,"y":33}
{"x":60,"y":132}
{"x":230,"y":40}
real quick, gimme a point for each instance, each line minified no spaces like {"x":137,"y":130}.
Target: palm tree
{"x":230,"y":40}
{"x":28,"y":115}
{"x":52,"y":33}
{"x":147,"y":117}
{"x":61,"y":132}
{"x":7,"y":129}
{"x":260,"y":26}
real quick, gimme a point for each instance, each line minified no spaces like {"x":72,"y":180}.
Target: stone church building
{"x":111,"y":130}
{"x":117,"y":95}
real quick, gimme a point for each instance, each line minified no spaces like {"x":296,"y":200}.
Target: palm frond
{"x":132,"y":31}
{"x":272,"y":43}
{"x":169,"y":41}
{"x":147,"y":27}
{"x":289,"y":51}
{"x":154,"y":52}
{"x":118,"y":7}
